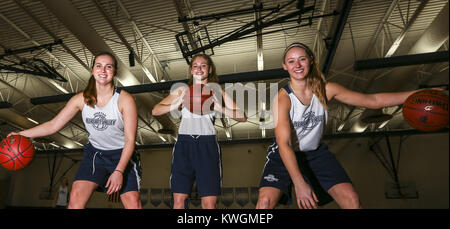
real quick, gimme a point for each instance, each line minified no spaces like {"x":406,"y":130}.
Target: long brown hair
{"x":90,"y":92}
{"x":212,"y":77}
{"x":315,"y":78}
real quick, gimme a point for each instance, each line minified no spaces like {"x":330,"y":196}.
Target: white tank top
{"x":105,"y":124}
{"x":194,"y":124}
{"x":308,"y":122}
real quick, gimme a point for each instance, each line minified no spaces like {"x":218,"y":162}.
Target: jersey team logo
{"x":308,"y":122}
{"x":99,"y":122}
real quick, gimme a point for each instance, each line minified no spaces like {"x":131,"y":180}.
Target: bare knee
{"x":179,"y":200}
{"x":263,"y":203}
{"x":80,"y":194}
{"x":352,"y":200}
{"x":345,"y":195}
{"x":209,"y":202}
{"x":266,"y":201}
{"x":76,"y":200}
{"x":268,"y":197}
{"x":131,"y":200}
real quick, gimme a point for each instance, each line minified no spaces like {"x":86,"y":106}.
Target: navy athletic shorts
{"x":196,"y":158}
{"x":319,"y":168}
{"x":97,"y":165}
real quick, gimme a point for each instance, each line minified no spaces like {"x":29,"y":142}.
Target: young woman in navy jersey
{"x":196,"y":154}
{"x":297,"y":158}
{"x":110,"y":162}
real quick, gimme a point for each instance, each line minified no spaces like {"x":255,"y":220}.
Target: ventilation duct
{"x":396,"y":61}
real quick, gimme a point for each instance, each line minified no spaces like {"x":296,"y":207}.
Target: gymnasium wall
{"x":423,"y":168}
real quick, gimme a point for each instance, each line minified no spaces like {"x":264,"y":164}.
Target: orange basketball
{"x":426,"y":110}
{"x":16,"y":152}
{"x":196,"y":97}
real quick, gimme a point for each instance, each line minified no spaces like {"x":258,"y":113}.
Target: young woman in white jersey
{"x":196,"y":154}
{"x":110,"y":162}
{"x":297,"y":158}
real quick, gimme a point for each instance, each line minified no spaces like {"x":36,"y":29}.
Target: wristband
{"x":118,"y":171}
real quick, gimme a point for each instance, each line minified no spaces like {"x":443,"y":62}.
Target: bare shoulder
{"x":282,"y":100}
{"x":125,"y":94}
{"x":77,"y":100}
{"x":126,"y":99}
{"x":282,"y":93}
{"x":78,"y":96}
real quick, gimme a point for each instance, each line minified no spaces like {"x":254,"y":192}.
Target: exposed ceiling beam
{"x":25,"y":95}
{"x":436,"y":34}
{"x":317,"y":46}
{"x":124,"y":41}
{"x":22,"y":121}
{"x":80,"y":28}
{"x":141,"y":36}
{"x":242,"y":77}
{"x":380,"y":27}
{"x":405,"y":60}
{"x":181,"y":14}
{"x":28,"y":37}
{"x":368,"y":51}
{"x":399,"y":79}
{"x":339,"y":28}
{"x":259,"y":40}
{"x":402,"y":35}
{"x":55,"y":37}
{"x":245,"y":30}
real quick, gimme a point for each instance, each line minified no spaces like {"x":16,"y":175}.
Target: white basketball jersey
{"x":105,"y":124}
{"x":194,"y":124}
{"x":308,"y":122}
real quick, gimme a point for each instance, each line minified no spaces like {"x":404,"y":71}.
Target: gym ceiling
{"x":47,"y":47}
